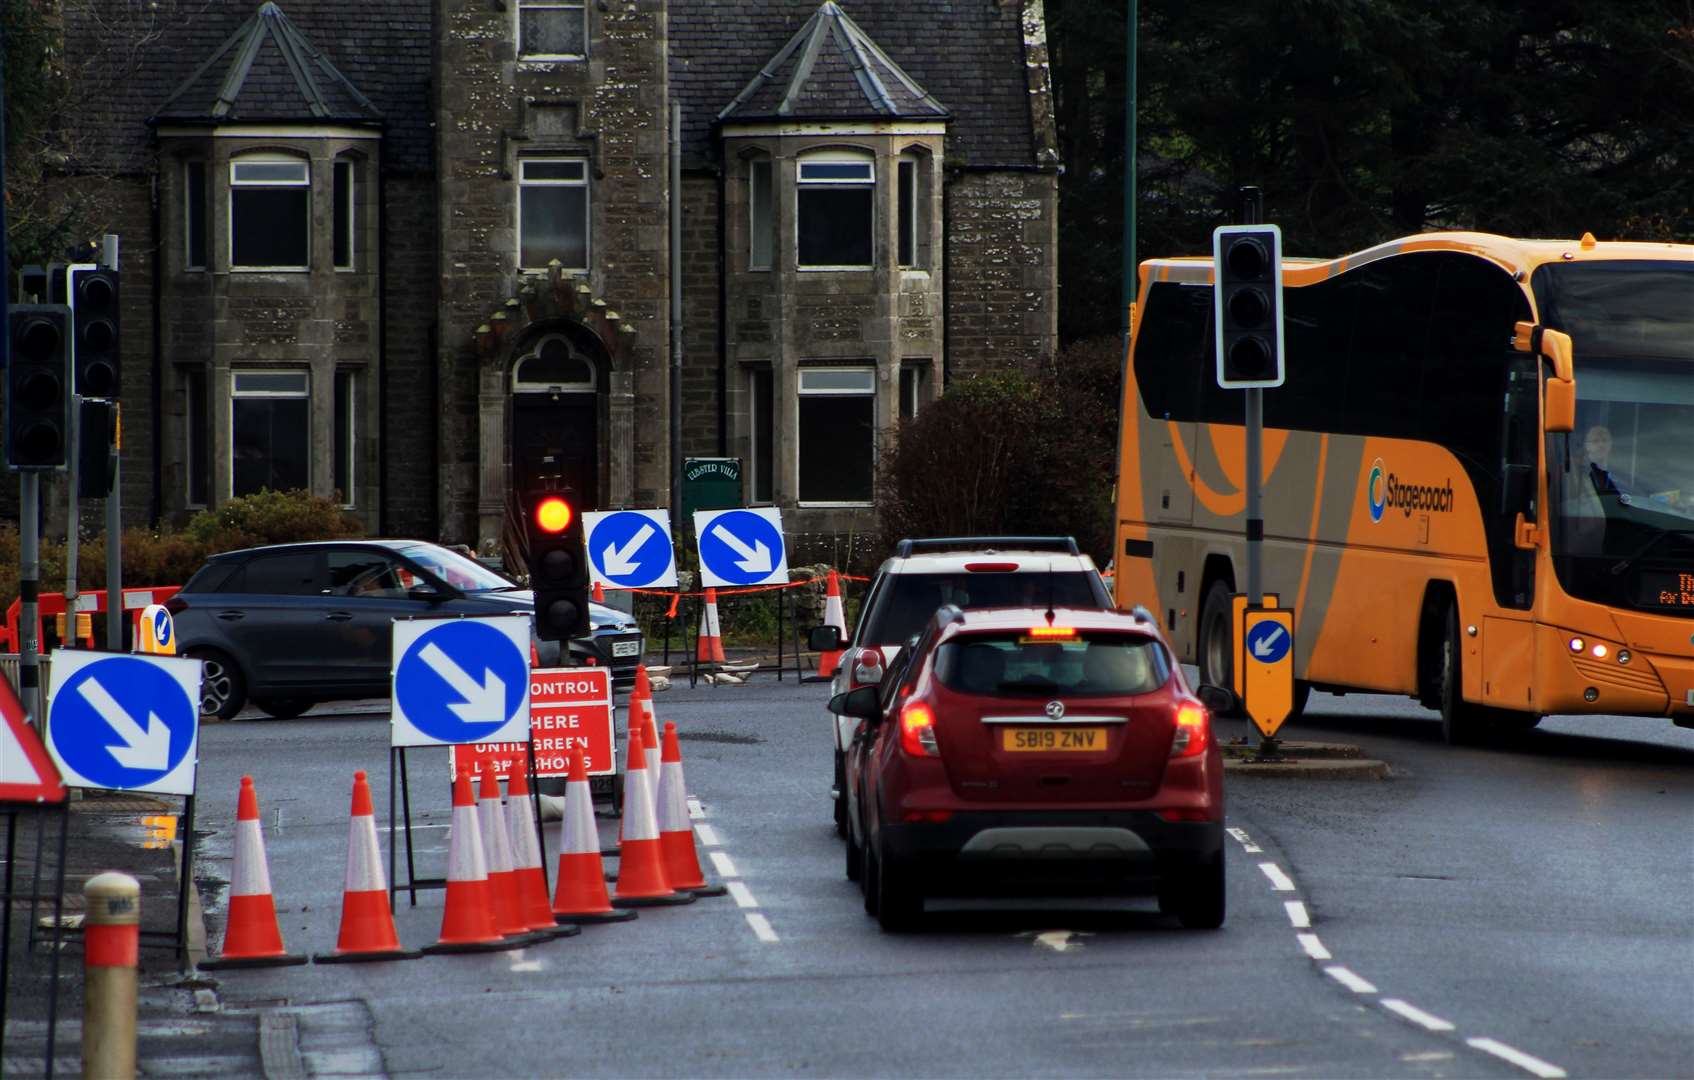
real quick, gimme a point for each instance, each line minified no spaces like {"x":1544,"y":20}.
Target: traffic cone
{"x":252,"y":937}
{"x":367,"y":923}
{"x":641,"y":868}
{"x":467,"y":923}
{"x":709,"y":648}
{"x":676,"y":835}
{"x":580,"y":895}
{"x":830,"y":659}
{"x":599,"y":594}
{"x":505,"y":902}
{"x":534,"y":656}
{"x":529,"y":876}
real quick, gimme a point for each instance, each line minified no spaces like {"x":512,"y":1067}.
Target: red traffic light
{"x":553,"y":514}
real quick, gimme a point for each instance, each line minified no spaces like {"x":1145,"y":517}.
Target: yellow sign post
{"x":158,"y":631}
{"x":1267,"y":666}
{"x":1237,"y":606}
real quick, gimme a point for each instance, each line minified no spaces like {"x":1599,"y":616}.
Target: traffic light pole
{"x":1252,"y":208}
{"x":73,"y":524}
{"x":29,"y":574}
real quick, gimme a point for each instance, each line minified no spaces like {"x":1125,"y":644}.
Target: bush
{"x":271,"y":517}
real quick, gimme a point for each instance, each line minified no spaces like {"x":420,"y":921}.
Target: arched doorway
{"x":556,"y":413}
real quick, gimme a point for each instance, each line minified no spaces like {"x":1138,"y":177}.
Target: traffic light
{"x":97,"y":431}
{"x":38,"y":398}
{"x":1247,"y":299}
{"x":93,"y":292}
{"x":558,"y":568}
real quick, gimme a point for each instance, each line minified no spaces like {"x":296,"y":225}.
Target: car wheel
{"x":841,"y":798}
{"x":1217,"y":647}
{"x":223,"y":689}
{"x":283,"y":708}
{"x":1196,"y":897}
{"x":899,"y":905}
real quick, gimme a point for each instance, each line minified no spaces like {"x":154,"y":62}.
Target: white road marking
{"x":721,"y":861}
{"x":1349,"y":980}
{"x":1517,"y":1057}
{"x":762,"y":927}
{"x":1432,"y":1055}
{"x":708,"y":835}
{"x":742,"y":894}
{"x":695,"y":810}
{"x":1314,"y":948}
{"x":1279,"y":880}
{"x":1297,"y":914}
{"x":1416,"y":1015}
{"x":1247,"y":844}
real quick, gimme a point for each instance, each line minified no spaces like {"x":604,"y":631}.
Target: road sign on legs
{"x":1267,"y":666}
{"x":461,"y":681}
{"x":130,"y":723}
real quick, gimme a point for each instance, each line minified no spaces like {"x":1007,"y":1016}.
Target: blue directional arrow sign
{"x":741,"y":547}
{"x":460,"y":681}
{"x":130,"y":723}
{"x":630,"y":549}
{"x":1268,"y":642}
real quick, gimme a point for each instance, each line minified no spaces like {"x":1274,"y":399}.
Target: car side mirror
{"x":825,"y":638}
{"x":1219,"y":699}
{"x":426,"y":594}
{"x":862,"y":703}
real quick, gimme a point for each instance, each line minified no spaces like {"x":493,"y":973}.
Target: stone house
{"x":400,"y":253}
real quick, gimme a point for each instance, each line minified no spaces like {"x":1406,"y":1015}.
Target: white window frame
{"x":189,"y":215}
{"x":754,"y":373}
{"x":587,"y":208}
{"x":908,"y":163}
{"x":803,"y":181}
{"x":352,"y":167}
{"x":235,"y":182}
{"x":868,"y":390}
{"x":562,"y":5}
{"x":235,"y":392}
{"x":757,"y":228}
{"x":521,"y":387}
{"x":920,"y":371}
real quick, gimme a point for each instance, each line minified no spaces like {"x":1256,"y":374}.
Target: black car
{"x":291,"y":625}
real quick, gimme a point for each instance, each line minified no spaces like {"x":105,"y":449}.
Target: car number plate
{"x":626,"y":648}
{"x":1081,"y":739}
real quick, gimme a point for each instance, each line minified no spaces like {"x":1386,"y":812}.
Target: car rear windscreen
{"x":912,"y":598}
{"x":1018,"y":663}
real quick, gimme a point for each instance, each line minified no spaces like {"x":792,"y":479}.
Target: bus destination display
{"x":1666,"y":589}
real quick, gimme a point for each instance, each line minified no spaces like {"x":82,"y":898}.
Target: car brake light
{"x":927,"y":817}
{"x":991,"y":567}
{"x":1053,"y":632}
{"x":1192,"y":726}
{"x":917,"y":730}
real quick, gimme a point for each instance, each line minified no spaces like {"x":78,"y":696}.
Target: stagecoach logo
{"x":1055,"y":710}
{"x":1384,"y":489}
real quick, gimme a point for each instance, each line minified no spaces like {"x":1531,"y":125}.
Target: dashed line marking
{"x":708,"y":835}
{"x":762,"y":927}
{"x":726,"y":868}
{"x":1517,"y":1057}
{"x":1279,"y":880}
{"x":1314,"y":948}
{"x":742,"y":894}
{"x":1349,"y":980}
{"x":1297,"y":914}
{"x":1416,"y":1015}
{"x":1246,"y":842}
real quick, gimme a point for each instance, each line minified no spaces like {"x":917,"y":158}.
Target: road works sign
{"x":741,"y":547}
{"x":129,"y":723}
{"x":461,"y":681}
{"x":569,"y":708}
{"x":27,"y":774}
{"x":1267,"y":666}
{"x":631,"y":549}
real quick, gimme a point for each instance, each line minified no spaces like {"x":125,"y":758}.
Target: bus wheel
{"x":1217,"y":650}
{"x":1461,"y":722}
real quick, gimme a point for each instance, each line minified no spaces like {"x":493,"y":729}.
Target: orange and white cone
{"x":580,"y":894}
{"x":252,"y":937}
{"x":833,"y":615}
{"x":528,"y":874}
{"x":467,"y":923}
{"x":641,"y":868}
{"x":676,"y":835}
{"x":599,"y":594}
{"x":497,"y":850}
{"x":709,"y":648}
{"x":367,"y":922}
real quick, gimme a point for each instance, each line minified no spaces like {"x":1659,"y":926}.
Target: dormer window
{"x":552,"y":29}
{"x":835,"y":201}
{"x":270,"y":213}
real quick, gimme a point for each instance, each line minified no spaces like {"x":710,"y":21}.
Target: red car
{"x":1034,"y":750}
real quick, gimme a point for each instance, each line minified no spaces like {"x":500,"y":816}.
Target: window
{"x":270,"y":213}
{"x":294,"y":573}
{"x":553,"y":213}
{"x":194,"y":215}
{"x":760,"y":220}
{"x":835,"y":206}
{"x":270,"y":422}
{"x":365,"y":573}
{"x":196,"y":430}
{"x":346,"y":386}
{"x":908,"y":211}
{"x":553,"y":366}
{"x":343,"y":215}
{"x":837,"y":435}
{"x":762,"y":429}
{"x":552,"y":29}
{"x":914,"y":389}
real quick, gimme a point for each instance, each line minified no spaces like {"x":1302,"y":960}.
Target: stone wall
{"x":700,"y":294}
{"x":409,"y":481}
{"x":1002,"y":247}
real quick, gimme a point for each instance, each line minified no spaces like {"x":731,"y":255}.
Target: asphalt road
{"x":1485,"y":912}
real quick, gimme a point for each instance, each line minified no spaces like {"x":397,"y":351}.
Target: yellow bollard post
{"x":112,"y":945}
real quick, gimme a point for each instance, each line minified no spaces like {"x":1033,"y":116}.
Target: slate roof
{"x":968,"y":55}
{"x":831,"y":69}
{"x":150,"y":52}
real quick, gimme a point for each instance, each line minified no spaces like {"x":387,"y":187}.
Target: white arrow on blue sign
{"x":1268,"y":642}
{"x":741,"y":547}
{"x":460,"y":681}
{"x":129,"y":723}
{"x":630,"y":549}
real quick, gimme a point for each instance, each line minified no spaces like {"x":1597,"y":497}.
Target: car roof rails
{"x":1065,"y":544}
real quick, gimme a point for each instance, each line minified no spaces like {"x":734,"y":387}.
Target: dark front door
{"x":565,"y":427}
